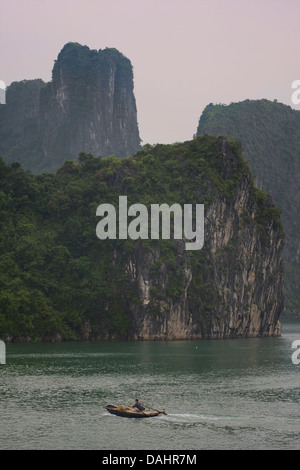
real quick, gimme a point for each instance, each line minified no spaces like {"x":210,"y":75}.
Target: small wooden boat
{"x":128,"y":412}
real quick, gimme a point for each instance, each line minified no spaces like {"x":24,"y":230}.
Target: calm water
{"x":224,"y":394}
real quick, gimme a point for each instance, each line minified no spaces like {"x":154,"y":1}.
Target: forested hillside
{"x":59,"y":281}
{"x":270,"y":136}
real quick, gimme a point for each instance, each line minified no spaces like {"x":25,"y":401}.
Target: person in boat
{"x":137,"y":406}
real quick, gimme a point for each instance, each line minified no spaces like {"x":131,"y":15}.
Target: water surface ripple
{"x":222,"y":394}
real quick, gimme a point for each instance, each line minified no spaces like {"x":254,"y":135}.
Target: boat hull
{"x":130,"y":413}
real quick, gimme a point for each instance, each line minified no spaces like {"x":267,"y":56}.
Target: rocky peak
{"x":89,"y":106}
{"x":269,"y":133}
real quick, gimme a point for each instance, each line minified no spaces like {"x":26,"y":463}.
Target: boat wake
{"x":195,"y":418}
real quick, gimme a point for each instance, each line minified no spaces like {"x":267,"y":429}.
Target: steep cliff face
{"x":89,"y":106}
{"x":60,"y":281}
{"x":19,"y":133}
{"x":231,"y":288}
{"x":269,"y":133}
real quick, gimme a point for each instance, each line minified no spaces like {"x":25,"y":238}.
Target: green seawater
{"x":219,"y":394}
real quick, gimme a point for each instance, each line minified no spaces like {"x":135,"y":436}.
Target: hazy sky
{"x":185,"y":53}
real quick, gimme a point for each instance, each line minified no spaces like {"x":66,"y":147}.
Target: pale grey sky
{"x":185,"y":53}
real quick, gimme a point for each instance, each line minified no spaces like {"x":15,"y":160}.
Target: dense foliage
{"x":270,"y":135}
{"x":55,"y":273}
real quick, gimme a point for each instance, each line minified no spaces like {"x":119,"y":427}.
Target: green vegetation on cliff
{"x":270,"y":136}
{"x":58,"y":278}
